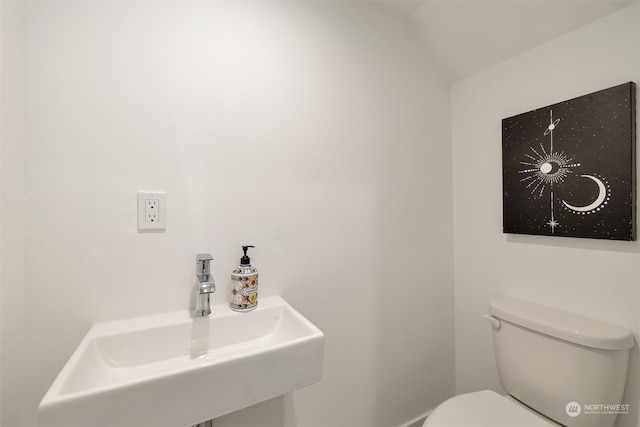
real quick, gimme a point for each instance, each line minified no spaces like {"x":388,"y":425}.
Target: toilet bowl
{"x":485,"y":408}
{"x":550,"y":362}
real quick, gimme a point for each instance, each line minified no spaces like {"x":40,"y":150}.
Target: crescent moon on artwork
{"x":602,"y":195}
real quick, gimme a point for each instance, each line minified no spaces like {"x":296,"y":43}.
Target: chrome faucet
{"x":205,"y":286}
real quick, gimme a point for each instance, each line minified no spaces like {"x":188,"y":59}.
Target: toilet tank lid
{"x":561,"y":324}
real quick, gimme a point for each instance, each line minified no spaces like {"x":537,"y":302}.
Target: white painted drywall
{"x":12,"y":214}
{"x":594,"y":278}
{"x":466,"y":37}
{"x":316,"y":131}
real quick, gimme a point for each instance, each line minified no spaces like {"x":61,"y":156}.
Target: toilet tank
{"x":568,"y":367}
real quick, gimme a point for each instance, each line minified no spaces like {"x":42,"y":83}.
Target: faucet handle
{"x":204,"y":257}
{"x":202,"y":263}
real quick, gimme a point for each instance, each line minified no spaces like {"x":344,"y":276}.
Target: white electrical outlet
{"x":152,"y":208}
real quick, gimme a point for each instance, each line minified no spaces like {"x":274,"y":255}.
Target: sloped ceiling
{"x":466,"y":36}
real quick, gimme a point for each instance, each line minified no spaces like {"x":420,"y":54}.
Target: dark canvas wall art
{"x":569,"y":168}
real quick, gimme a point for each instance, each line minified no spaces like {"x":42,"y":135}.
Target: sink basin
{"x":176,"y":370}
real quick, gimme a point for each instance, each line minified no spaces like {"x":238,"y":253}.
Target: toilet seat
{"x":484,"y":408}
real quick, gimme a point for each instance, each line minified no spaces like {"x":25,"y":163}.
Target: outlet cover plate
{"x":152,"y":211}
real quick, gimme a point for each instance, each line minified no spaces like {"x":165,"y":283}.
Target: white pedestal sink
{"x":176,"y":370}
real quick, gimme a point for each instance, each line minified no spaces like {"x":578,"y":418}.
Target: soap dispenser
{"x":244,"y":285}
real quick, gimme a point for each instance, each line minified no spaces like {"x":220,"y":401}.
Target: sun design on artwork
{"x":546,"y":169}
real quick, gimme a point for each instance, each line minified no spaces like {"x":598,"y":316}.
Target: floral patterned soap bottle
{"x":244,"y":285}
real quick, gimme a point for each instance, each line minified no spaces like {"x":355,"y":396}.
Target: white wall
{"x":12,"y":222}
{"x":594,"y":278}
{"x":314,"y":130}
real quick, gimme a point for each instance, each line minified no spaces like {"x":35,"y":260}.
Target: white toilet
{"x":558,"y":368}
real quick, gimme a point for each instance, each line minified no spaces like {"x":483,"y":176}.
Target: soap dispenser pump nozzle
{"x":245,"y":260}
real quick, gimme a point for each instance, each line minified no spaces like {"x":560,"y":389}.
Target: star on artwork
{"x":553,"y":224}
